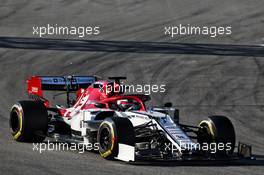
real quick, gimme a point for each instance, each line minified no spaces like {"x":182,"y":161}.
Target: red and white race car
{"x":119,"y":125}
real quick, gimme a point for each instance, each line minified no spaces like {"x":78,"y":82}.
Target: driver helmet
{"x":124,"y":104}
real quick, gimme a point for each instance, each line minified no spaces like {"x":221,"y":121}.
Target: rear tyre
{"x":113,"y":131}
{"x":28,"y":121}
{"x":219,"y":130}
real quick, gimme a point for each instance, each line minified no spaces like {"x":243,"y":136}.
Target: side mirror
{"x":100,"y":105}
{"x":176,"y":116}
{"x":168,"y":105}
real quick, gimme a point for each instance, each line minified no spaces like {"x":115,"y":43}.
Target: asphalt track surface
{"x":204,"y":75}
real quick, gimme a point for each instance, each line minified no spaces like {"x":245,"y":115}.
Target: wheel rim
{"x":105,"y":139}
{"x":14,"y":121}
{"x":206,"y":135}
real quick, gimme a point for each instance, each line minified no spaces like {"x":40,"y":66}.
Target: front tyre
{"x":28,"y":121}
{"x":218,"y":130}
{"x":113,"y":131}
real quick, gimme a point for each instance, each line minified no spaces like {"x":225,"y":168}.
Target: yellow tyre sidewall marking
{"x":20,"y":115}
{"x":107,"y":153}
{"x":211,"y":127}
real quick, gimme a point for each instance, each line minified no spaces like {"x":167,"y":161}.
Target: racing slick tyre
{"x":219,"y":130}
{"x":28,"y":121}
{"x":113,"y":131}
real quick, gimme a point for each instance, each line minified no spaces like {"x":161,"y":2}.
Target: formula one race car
{"x":119,"y":125}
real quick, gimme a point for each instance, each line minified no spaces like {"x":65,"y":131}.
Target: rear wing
{"x":37,"y":84}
